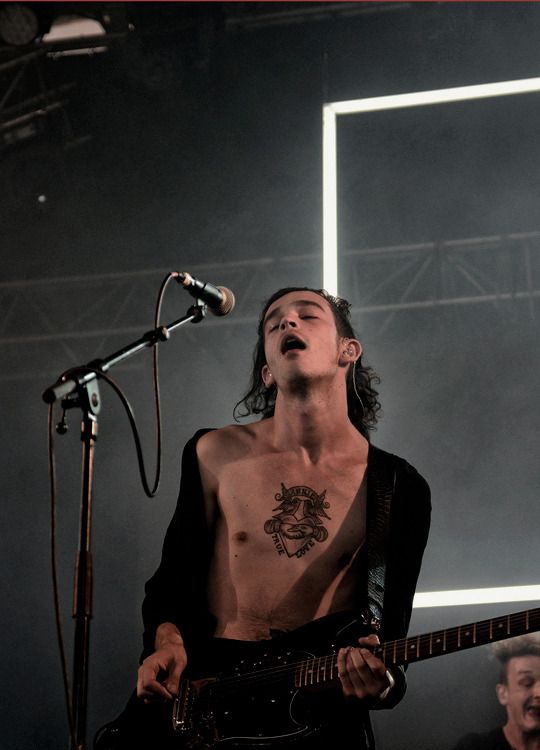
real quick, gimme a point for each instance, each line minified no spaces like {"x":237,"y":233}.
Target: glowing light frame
{"x":330,"y":260}
{"x":457,"y":597}
{"x":376,"y":104}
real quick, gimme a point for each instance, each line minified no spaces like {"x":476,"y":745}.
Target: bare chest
{"x":283,"y":509}
{"x":287,"y":544}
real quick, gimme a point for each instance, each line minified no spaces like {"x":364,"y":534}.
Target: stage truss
{"x":60,"y":322}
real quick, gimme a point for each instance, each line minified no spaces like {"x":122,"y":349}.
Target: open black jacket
{"x":177,"y":591}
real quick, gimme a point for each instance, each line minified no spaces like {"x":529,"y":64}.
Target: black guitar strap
{"x":380,"y":490}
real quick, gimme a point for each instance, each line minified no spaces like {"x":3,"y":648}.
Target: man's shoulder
{"x":409,"y":483}
{"x":226,"y":443}
{"x":493,"y":740}
{"x":401,"y":464}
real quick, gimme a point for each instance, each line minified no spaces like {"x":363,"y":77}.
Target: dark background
{"x":194,"y":143}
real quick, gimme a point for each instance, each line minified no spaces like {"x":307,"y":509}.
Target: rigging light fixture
{"x":73,"y":29}
{"x":19,"y":24}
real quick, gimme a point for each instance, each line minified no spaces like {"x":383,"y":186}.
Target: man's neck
{"x":314,"y":425}
{"x":520,"y":740}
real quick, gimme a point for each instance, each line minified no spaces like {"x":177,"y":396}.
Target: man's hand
{"x":159,"y":674}
{"x":362,"y":674}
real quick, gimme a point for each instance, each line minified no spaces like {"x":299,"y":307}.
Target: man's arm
{"x":159,"y":674}
{"x":362,"y":674}
{"x":409,"y":529}
{"x":174,"y":609}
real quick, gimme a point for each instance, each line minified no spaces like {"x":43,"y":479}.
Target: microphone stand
{"x":78,"y":386}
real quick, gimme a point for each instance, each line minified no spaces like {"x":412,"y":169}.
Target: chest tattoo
{"x":297,"y":522}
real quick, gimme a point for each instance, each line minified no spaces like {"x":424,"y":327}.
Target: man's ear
{"x":502,"y":693}
{"x":267,"y":377}
{"x":350,"y":351}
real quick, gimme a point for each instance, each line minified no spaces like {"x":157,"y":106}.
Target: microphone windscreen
{"x":226,"y":304}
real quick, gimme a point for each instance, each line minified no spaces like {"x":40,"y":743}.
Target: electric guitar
{"x":265,"y":693}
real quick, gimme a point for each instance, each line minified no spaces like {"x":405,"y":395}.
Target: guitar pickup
{"x":181,"y":715}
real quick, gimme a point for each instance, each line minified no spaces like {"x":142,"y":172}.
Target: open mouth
{"x":290,"y":343}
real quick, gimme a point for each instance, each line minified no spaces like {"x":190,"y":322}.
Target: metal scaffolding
{"x":73,"y":319}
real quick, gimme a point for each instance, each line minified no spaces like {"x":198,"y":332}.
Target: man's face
{"x":521,"y":693}
{"x":300,"y":336}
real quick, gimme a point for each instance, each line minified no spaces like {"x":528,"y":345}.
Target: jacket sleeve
{"x":410,"y":518}
{"x":177,"y":591}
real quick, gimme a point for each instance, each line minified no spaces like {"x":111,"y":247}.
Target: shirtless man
{"x":281,"y":541}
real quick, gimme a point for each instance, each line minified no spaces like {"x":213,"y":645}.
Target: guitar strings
{"x":216,"y":693}
{"x":312,"y":669}
{"x":437,"y":643}
{"x":401,"y":646}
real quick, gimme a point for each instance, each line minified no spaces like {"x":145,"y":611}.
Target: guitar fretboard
{"x":416,"y":648}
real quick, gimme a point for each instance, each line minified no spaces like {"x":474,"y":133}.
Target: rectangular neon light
{"x":376,"y":104}
{"x":459,"y":597}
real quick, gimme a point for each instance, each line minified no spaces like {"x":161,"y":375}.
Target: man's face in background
{"x":520,"y":694}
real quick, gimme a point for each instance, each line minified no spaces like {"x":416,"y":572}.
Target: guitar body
{"x":242,"y":694}
{"x":219,"y":712}
{"x":254,"y":699}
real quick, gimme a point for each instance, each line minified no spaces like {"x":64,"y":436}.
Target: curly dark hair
{"x":523,"y":645}
{"x":362,"y":400}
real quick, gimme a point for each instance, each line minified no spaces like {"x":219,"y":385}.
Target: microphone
{"x":219,"y":299}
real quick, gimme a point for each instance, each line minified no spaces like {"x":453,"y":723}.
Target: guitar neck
{"x":428,"y":645}
{"x":454,"y":639}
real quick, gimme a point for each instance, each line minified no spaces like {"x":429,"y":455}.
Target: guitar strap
{"x":380,"y":491}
